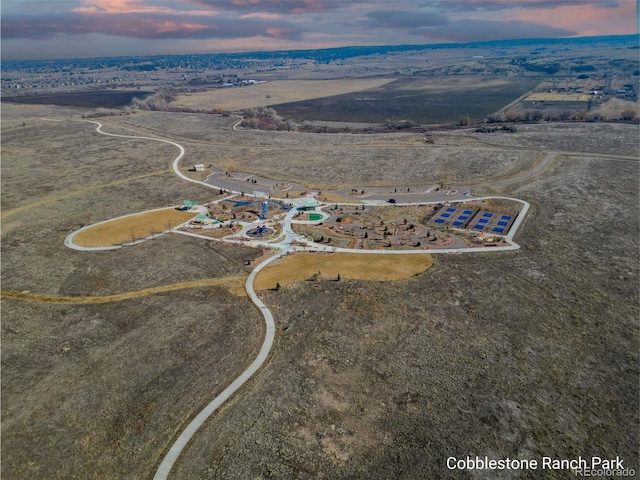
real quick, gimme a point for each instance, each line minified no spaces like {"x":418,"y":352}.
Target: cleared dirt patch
{"x":352,"y":266}
{"x":272,"y":93}
{"x":130,"y":228}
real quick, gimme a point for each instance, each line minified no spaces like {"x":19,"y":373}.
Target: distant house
{"x":199,"y":167}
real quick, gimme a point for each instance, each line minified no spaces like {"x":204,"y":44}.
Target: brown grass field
{"x":558,"y":97}
{"x":124,"y":230}
{"x":332,"y":197}
{"x":273,"y":93}
{"x":350,"y":266}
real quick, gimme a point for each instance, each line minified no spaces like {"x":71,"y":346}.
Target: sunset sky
{"x":37,"y":29}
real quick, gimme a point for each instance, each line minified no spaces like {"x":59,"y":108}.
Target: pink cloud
{"x":133,"y":6}
{"x":262,"y":16}
{"x":279,"y":32}
{"x":282,"y":6}
{"x":583,"y":19}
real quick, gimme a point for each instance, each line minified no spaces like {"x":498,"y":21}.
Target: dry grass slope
{"x":79,"y":192}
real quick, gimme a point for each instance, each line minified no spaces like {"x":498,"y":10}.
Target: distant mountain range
{"x":324,"y":55}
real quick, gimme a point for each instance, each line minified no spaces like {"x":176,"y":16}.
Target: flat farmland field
{"x":558,"y":97}
{"x":428,"y":100}
{"x":102,"y":98}
{"x":272,"y":93}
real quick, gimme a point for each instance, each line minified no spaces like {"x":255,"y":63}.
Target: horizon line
{"x":417,"y":45}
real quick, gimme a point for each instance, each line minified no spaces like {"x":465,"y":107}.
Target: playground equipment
{"x":260,"y":231}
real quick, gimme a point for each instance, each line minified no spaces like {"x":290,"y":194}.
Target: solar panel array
{"x":476,"y":220}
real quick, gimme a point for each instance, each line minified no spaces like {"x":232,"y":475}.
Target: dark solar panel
{"x":503,"y":224}
{"x":479,"y":227}
{"x":445,"y":215}
{"x":483,"y":220}
{"x":463,"y":217}
{"x":451,"y":209}
{"x":457,"y":224}
{"x":439,"y":220}
{"x":499,"y":230}
{"x":468,"y":212}
{"x":487,"y":214}
{"x":505,"y":217}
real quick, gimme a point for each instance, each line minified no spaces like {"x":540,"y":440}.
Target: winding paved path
{"x":174,"y":452}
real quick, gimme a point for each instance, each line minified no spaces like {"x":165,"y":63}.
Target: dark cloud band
{"x":144,"y":26}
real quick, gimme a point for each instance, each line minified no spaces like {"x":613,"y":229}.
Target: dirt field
{"x":103,"y":99}
{"x":424,"y":100}
{"x":350,"y":266}
{"x":271,"y":93}
{"x":131,"y":228}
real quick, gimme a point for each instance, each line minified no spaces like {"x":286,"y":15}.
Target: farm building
{"x":199,"y":167}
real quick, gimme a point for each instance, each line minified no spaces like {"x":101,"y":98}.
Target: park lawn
{"x":130,"y":228}
{"x":350,"y":266}
{"x":333,"y":198}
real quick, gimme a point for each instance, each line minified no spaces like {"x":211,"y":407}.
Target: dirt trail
{"x":234,"y":284}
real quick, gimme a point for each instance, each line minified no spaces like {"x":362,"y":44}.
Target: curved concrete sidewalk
{"x":68,"y":241}
{"x":174,"y":452}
